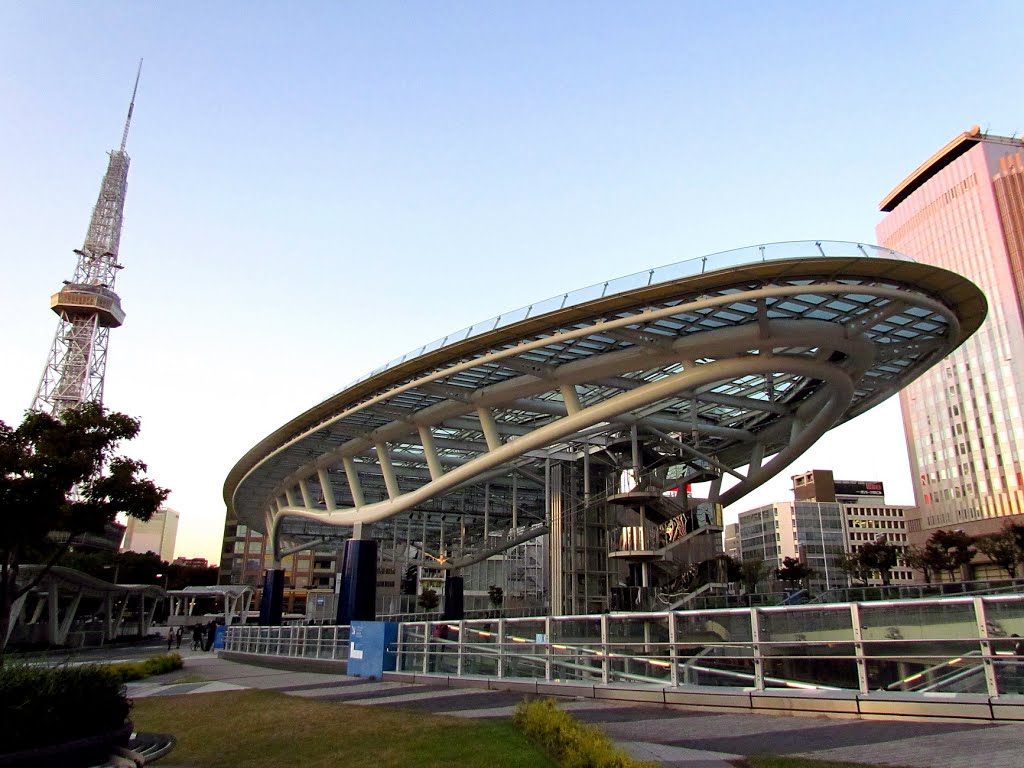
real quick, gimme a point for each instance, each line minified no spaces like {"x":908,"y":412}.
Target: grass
{"x":265,"y":729}
{"x":781,"y":761}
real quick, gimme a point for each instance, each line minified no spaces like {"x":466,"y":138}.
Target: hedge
{"x":41,"y":706}
{"x":154,"y":665}
{"x":571,"y":743}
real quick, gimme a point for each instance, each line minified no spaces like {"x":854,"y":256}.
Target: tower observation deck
{"x":87,"y":305}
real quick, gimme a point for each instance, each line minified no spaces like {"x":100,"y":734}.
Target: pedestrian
{"x":170,"y":638}
{"x":211,"y":632}
{"x":197,"y":636}
{"x":177,"y":636}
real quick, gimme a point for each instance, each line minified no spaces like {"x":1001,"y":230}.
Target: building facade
{"x":247,"y":553}
{"x":158,"y":534}
{"x":827,"y":519}
{"x":808,"y":531}
{"x":963,"y":210}
{"x":866,"y":516}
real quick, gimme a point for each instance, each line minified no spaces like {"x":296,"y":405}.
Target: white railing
{"x":955,"y":645}
{"x":304,"y":642}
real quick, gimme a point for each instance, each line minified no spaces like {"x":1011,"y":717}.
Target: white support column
{"x":501,"y":648}
{"x":53,"y":603}
{"x":352,"y":475}
{"x":490,"y":428}
{"x":673,"y":654}
{"x":42,"y":600}
{"x":987,"y":656}
{"x":388,"y":470}
{"x":796,"y":428}
{"x":307,"y":500}
{"x":108,"y":620}
{"x":858,"y":648}
{"x":515,"y":500}
{"x":17,"y":608}
{"x":120,"y":615}
{"x":548,"y":666}
{"x":756,"y":458}
{"x":290,"y":497}
{"x":715,"y":490}
{"x":69,"y":617}
{"x":460,"y":646}
{"x":635,"y":446}
{"x":487,"y":514}
{"x":605,"y":660}
{"x":755,"y":634}
{"x":328,"y":491}
{"x":571,"y":398}
{"x":430,"y":452}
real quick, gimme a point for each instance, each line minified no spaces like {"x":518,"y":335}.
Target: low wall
{"x":876,"y":705}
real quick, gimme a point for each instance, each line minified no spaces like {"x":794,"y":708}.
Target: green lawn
{"x":264,"y":729}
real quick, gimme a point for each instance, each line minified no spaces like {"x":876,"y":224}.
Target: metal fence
{"x":950,"y":645}
{"x":305,"y":642}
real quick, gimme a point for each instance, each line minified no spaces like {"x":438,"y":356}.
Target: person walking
{"x":177,"y":636}
{"x":197,"y":636}
{"x":170,"y":638}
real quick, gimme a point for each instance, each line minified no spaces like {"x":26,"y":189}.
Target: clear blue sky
{"x":319,"y":187}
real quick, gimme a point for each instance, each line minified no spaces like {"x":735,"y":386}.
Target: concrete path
{"x":670,"y":737}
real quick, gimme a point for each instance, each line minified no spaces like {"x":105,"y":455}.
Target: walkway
{"x":671,"y":737}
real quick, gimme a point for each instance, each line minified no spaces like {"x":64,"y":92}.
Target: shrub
{"x":572,"y":744}
{"x":41,"y":706}
{"x":155,"y":665}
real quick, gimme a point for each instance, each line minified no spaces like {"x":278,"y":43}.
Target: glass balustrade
{"x":940,"y":645}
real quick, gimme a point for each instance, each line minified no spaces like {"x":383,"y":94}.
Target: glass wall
{"x":948,"y":645}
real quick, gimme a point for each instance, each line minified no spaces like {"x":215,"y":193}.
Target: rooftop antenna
{"x":131,"y":108}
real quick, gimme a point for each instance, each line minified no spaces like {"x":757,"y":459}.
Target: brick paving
{"x":671,"y":737}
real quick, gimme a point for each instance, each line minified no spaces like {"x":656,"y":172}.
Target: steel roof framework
{"x":741,"y":367}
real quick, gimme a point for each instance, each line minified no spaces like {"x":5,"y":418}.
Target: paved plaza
{"x":671,"y":737}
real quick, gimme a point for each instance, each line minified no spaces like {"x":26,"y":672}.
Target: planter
{"x":80,"y":753}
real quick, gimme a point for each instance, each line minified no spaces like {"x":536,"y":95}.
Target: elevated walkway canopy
{"x":65,"y":598}
{"x":229,"y":602}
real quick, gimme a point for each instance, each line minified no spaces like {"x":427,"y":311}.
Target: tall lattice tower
{"x":87,"y":305}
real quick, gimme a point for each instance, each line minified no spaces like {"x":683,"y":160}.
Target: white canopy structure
{"x":730,"y":365}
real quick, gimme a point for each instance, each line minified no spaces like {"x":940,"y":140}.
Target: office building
{"x":809,"y":531}
{"x":156,"y":535}
{"x":963,"y":210}
{"x":866,"y":516}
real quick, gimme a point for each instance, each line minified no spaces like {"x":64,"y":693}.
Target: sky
{"x":318,"y":188}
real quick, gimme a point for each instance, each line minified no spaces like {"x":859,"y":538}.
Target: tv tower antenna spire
{"x":87,"y":305}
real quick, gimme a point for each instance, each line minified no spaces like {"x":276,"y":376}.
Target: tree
{"x":1001,"y":548}
{"x":62,"y":473}
{"x":879,"y":556}
{"x":957,"y":547}
{"x":428,"y":600}
{"x":854,"y":568}
{"x":930,"y":560}
{"x":751,"y":573}
{"x":496,"y":595}
{"x":727,"y":570}
{"x":792,"y":572}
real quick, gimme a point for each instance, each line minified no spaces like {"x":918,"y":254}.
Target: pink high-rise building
{"x":963,"y":209}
